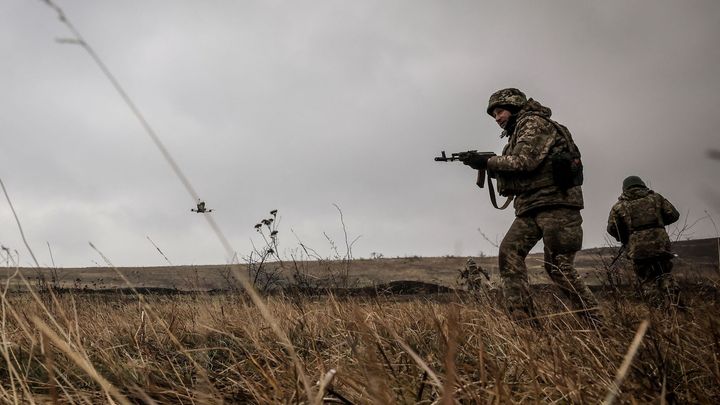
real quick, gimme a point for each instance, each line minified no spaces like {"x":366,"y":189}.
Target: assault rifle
{"x":461,"y":156}
{"x":481,"y":173}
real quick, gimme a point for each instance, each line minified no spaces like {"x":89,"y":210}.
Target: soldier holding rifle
{"x":540,"y":168}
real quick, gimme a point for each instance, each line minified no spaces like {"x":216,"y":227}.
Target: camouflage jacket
{"x":638,"y":220}
{"x":524,"y":169}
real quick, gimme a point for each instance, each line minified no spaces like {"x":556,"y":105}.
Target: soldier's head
{"x":505,"y":103}
{"x":632,"y":181}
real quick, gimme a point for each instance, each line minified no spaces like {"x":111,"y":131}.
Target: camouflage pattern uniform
{"x":543,"y":210}
{"x":472,"y":275}
{"x":638,"y":220}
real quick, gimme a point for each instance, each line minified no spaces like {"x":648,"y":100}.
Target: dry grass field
{"x":451,"y":348}
{"x":68,"y":336}
{"x":698,"y":260}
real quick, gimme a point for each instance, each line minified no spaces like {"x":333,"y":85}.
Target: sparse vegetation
{"x":200,"y":348}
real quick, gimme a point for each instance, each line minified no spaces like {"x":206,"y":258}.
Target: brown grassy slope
{"x":208,"y":349}
{"x":363,"y":272}
{"x":698,"y":259}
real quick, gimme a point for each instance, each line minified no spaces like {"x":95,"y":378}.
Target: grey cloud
{"x":297,"y":106}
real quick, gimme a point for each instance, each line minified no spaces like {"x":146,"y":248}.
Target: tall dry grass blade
{"x":627,"y":361}
{"x":14,"y":375}
{"x":15,"y":378}
{"x":421,"y":387}
{"x":266,"y":374}
{"x":420,"y":362}
{"x":4,"y":341}
{"x":66,"y":386}
{"x":663,"y":391}
{"x":17,"y":220}
{"x":52,"y":259}
{"x":159,"y":251}
{"x":50,"y":366}
{"x":81,"y":362}
{"x":265,"y":312}
{"x":79,"y":40}
{"x":274,"y":325}
{"x":324,"y":383}
{"x":450,"y":355}
{"x":201,"y":371}
{"x":37,"y":299}
{"x":143,"y":395}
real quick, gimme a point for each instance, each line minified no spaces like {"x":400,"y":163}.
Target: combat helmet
{"x":633,"y":181}
{"x":506,"y":97}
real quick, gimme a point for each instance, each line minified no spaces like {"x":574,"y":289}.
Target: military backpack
{"x":562,"y":168}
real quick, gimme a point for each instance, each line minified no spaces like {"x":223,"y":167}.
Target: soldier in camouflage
{"x":544,"y":209}
{"x":638,"y":221}
{"x":472,"y":275}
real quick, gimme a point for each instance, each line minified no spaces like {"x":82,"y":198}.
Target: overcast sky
{"x":297,"y":106}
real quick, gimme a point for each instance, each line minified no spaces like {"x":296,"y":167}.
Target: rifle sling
{"x":493,"y":199}
{"x":619,"y":253}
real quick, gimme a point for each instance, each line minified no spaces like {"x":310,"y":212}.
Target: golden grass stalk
{"x":627,"y":361}
{"x":80,"y":361}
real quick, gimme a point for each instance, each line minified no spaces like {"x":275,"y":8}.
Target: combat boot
{"x":524,"y":314}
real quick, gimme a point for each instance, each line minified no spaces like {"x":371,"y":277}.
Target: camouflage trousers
{"x":561,"y":232}
{"x":656,"y":281}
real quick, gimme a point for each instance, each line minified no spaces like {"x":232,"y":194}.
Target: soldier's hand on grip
{"x":475,"y":160}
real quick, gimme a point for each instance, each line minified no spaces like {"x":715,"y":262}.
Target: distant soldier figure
{"x":638,"y":221}
{"x":472,"y":275}
{"x":540,"y":167}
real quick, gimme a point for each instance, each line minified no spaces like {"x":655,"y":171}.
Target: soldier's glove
{"x":475,"y":160}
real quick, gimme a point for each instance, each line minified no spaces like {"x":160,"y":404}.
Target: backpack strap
{"x":565,"y":133}
{"x":626,"y":217}
{"x":658,"y":209}
{"x":562,"y":130}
